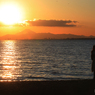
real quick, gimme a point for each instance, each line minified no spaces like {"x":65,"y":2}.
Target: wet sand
{"x":66,"y":87}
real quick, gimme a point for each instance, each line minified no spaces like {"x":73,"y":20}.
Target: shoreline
{"x":62,"y":87}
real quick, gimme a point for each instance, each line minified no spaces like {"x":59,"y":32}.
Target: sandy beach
{"x":66,"y":87}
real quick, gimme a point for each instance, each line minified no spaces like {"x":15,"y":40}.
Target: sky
{"x":48,"y":16}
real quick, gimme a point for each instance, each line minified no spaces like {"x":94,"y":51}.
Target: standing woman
{"x":93,"y":60}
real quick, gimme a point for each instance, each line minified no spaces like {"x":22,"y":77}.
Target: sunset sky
{"x":43,"y":16}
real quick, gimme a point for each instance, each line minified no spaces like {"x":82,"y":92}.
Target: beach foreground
{"x":66,"y":87}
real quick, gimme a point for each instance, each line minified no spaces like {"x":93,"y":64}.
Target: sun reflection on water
{"x":8,"y":69}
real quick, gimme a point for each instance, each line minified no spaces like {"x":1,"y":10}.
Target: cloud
{"x":45,"y":23}
{"x":53,"y":23}
{"x":16,"y":24}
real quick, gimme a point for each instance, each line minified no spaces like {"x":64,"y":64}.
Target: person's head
{"x":93,"y":47}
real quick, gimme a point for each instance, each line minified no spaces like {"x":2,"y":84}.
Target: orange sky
{"x":81,"y":11}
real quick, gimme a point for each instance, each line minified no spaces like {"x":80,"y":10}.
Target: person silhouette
{"x":93,"y":60}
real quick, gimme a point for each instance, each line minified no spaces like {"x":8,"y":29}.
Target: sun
{"x":10,"y":14}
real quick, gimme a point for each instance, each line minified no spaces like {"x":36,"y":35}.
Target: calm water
{"x":45,"y":59}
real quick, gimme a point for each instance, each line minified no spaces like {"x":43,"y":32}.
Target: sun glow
{"x":10,"y":14}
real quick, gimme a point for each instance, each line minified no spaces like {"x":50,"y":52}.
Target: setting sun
{"x":9,"y":14}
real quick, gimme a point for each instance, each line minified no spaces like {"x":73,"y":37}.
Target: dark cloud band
{"x":52,"y":23}
{"x":47,"y":23}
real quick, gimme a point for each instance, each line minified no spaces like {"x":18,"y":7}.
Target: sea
{"x":42,"y":60}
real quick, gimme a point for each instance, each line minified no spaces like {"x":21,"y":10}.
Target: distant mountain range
{"x":28,"y":34}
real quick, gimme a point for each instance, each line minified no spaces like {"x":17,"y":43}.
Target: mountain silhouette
{"x":25,"y":32}
{"x":28,"y":34}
